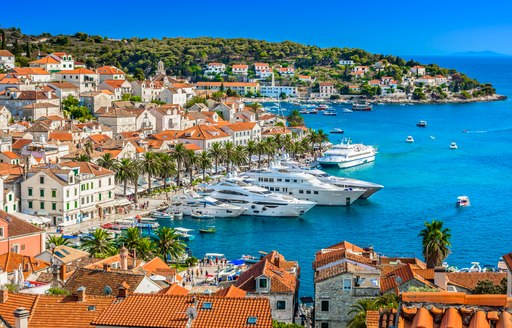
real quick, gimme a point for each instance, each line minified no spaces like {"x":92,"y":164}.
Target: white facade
{"x":167,"y":119}
{"x":242,"y":133}
{"x":275,"y":91}
{"x":175,"y":96}
{"x":86,"y":80}
{"x":326,"y":89}
{"x":346,"y":62}
{"x":240,"y":69}
{"x":6,"y":60}
{"x":215,"y":68}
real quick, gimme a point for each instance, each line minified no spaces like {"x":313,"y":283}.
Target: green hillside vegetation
{"x":187,"y":57}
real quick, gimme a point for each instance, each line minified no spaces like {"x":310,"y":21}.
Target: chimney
{"x":106,"y":267}
{"x":123,"y":254}
{"x":21,"y":318}
{"x":276,"y":261}
{"x":81,"y":294}
{"x":440,"y":278}
{"x":509,"y":284}
{"x":62,"y":272}
{"x":122,"y":292}
{"x":4,"y":295}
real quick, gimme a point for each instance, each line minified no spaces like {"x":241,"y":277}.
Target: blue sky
{"x":390,"y":27}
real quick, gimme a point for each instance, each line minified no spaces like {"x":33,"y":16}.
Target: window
{"x":315,"y":192}
{"x":14,"y":207}
{"x":324,"y":325}
{"x":76,"y":204}
{"x":54,"y":206}
{"x":308,"y":192}
{"x":347,"y":284}
{"x":67,"y":206}
{"x":10,"y":197}
{"x":110,"y":194}
{"x":30,"y":204}
{"x":99,"y":196}
{"x":263,"y":283}
{"x":281,"y":305}
{"x":301,"y":191}
{"x":325,"y":306}
{"x":30,"y":191}
{"x":54,"y":193}
{"x":67,"y":193}
{"x":41,"y":180}
{"x":252,"y":320}
{"x":41,"y":205}
{"x":41,"y":192}
{"x":1,"y":232}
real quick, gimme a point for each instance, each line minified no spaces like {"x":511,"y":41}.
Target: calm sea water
{"x":422,"y":181}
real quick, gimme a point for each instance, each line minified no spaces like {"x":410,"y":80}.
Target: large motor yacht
{"x":191,"y":202}
{"x":302,"y":185}
{"x":258,"y":200}
{"x":342,"y":182}
{"x":346,"y":154}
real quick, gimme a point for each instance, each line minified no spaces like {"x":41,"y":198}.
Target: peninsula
{"x":255,"y":69}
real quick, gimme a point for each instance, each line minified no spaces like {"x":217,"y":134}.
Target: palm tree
{"x":98,"y":244}
{"x":167,"y":243}
{"x":228,"y":151}
{"x":239,"y":156}
{"x":270,"y":148}
{"x":436,"y":243}
{"x":250,"y":148}
{"x":150,"y":163}
{"x":166,"y":168}
{"x":82,"y":158}
{"x":107,"y":161}
{"x":261,"y":148}
{"x":361,"y":307}
{"x":56,"y":241}
{"x":322,"y":137}
{"x":145,"y":248}
{"x":130,"y":239}
{"x":190,"y":162}
{"x":124,"y":173}
{"x":136,"y":171}
{"x":216,"y":152}
{"x":89,"y":148}
{"x":295,"y":148}
{"x":279,"y":141}
{"x":179,"y":154}
{"x":204,"y":162}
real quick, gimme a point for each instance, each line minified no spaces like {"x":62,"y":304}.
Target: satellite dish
{"x":191,"y":312}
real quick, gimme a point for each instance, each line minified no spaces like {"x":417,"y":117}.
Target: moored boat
{"x":209,"y":229}
{"x":183,"y":233}
{"x":463,"y":201}
{"x":329,"y":113}
{"x":453,"y":145}
{"x":201,"y":215}
{"x":337,"y":131}
{"x":346,"y":154}
{"x":162,"y":215}
{"x":362,"y":106}
{"x":422,"y":124}
{"x":322,"y":107}
{"x":409,"y":139}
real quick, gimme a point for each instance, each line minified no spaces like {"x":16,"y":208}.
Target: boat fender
{"x":264,"y":209}
{"x":253,"y":206}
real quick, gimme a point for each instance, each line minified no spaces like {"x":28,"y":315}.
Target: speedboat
{"x":329,"y":113}
{"x":149,"y":223}
{"x":322,"y":107}
{"x":337,"y":131}
{"x":183,"y":233}
{"x":162,"y":215}
{"x":453,"y":145}
{"x":362,"y":106}
{"x":198,"y":214}
{"x":301,"y":185}
{"x":409,"y":139}
{"x":346,"y":154}
{"x":347,"y":110}
{"x":250,"y":259}
{"x":257,"y":200}
{"x":422,"y":124}
{"x":304,"y":111}
{"x":209,"y":229}
{"x":463,"y":201}
{"x":341,"y":182}
{"x":313,"y":111}
{"x":191,"y":201}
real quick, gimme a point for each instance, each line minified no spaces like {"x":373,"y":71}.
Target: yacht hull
{"x":346,"y":164}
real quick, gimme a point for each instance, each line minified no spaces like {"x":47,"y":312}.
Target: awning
{"x":122,"y":202}
{"x":112,"y":202}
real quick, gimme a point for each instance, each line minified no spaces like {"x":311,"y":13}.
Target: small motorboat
{"x":201,"y":215}
{"x":409,"y":139}
{"x":347,"y":110}
{"x":432,"y":137}
{"x":161,"y":215}
{"x":322,"y":107}
{"x":463,"y":201}
{"x":183,"y":233}
{"x":210,"y":229}
{"x":329,"y":113}
{"x":337,"y":131}
{"x":177,"y":214}
{"x":304,"y":111}
{"x":422,"y":124}
{"x":313,"y":111}
{"x":453,"y":145}
{"x":250,"y":259}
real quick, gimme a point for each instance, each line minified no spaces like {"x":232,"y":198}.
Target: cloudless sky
{"x":391,"y":27}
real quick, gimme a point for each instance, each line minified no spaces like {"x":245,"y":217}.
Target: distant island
{"x":485,"y":53}
{"x":281,"y":69}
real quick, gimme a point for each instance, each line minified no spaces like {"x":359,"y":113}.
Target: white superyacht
{"x":303,"y":186}
{"x":191,"y":202}
{"x":346,"y":154}
{"x":257,"y":200}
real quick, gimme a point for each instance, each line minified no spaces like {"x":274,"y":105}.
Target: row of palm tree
{"x":164,"y":244}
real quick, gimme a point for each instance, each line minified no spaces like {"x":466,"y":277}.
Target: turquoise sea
{"x":422,"y":181}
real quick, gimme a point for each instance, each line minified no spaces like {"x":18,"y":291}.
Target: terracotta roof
{"x":29,"y":71}
{"x":60,"y":136}
{"x":115,"y":83}
{"x":109,"y":70}
{"x":10,"y":154}
{"x":202,"y":132}
{"x":343,"y":267}
{"x":110,"y":260}
{"x":240,"y":66}
{"x":17,"y":226}
{"x":10,"y":169}
{"x":406,"y":273}
{"x":39,"y":105}
{"x":156,"y":264}
{"x":275,"y":130}
{"x":192,"y":147}
{"x":281,"y":280}
{"x":12,"y":261}
{"x":173,"y":289}
{"x":166,"y":135}
{"x":95,"y":280}
{"x":507,"y":258}
{"x":469,"y":280}
{"x":326,"y":84}
{"x":228,"y":84}
{"x":372,"y":319}
{"x":63,"y":85}
{"x":231,"y":291}
{"x":113,"y":112}
{"x":241,"y":126}
{"x":15,"y":301}
{"x":77,"y":71}
{"x":89,"y":168}
{"x":154,"y":310}
{"x":6,"y":53}
{"x":67,"y":311}
{"x":99,"y":138}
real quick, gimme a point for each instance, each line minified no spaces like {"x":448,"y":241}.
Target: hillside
{"x":187,"y":57}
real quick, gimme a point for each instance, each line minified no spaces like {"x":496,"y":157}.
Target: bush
{"x":57,"y":291}
{"x":191,"y":261}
